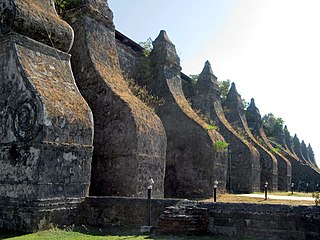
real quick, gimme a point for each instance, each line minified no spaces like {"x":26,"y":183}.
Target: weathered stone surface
{"x":130,"y":54}
{"x":235,"y":114}
{"x":311,"y":155}
{"x":132,"y":213}
{"x":32,"y":216}
{"x":130,"y":141}
{"x":36,"y":19}
{"x":187,"y":87}
{"x":193,"y":164}
{"x":302,"y":173}
{"x":188,"y":220}
{"x":287,"y":141}
{"x":305,"y":154}
{"x":46,"y":127}
{"x":243,"y":163}
{"x":248,"y":221}
{"x":255,"y":125}
{"x":304,"y":150}
{"x":297,"y":148}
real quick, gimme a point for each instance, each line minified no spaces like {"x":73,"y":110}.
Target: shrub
{"x":220,"y":146}
{"x":144,"y":95}
{"x":64,"y":5}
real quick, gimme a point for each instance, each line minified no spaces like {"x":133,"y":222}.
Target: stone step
{"x":175,"y":220}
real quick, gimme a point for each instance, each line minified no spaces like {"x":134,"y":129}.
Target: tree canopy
{"x":272,"y":125}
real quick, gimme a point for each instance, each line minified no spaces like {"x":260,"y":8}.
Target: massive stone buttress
{"x":194,"y":160}
{"x":46,"y":127}
{"x":299,"y":151}
{"x":302,"y":173}
{"x":311,"y":156}
{"x":243,"y":174}
{"x":235,"y":114}
{"x":129,"y":139}
{"x":286,"y":140}
{"x":255,"y":125}
{"x":307,"y":156}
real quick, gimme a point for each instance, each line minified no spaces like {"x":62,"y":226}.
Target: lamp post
{"x":215,"y":185}
{"x":307,"y":187}
{"x":148,"y":228}
{"x":266,"y":191}
{"x":151,"y":182}
{"x":292,"y":186}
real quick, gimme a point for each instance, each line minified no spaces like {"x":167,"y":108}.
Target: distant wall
{"x":253,"y":221}
{"x":129,"y":53}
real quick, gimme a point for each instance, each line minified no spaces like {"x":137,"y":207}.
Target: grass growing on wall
{"x":64,"y":5}
{"x":221,"y":146}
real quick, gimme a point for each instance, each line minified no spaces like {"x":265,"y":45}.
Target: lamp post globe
{"x":266,"y":190}
{"x":215,"y":185}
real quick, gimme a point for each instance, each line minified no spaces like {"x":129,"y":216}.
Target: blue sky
{"x":269,"y":48}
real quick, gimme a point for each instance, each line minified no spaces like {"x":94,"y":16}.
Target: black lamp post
{"x":151,"y":182}
{"x":266,"y":191}
{"x":292,"y":186}
{"x":215,"y":185}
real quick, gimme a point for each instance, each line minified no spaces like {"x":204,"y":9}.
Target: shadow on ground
{"x":9,"y":234}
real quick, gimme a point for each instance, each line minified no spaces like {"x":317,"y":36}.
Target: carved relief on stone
{"x":25,"y":121}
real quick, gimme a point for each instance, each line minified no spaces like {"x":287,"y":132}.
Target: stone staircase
{"x":180,"y":219}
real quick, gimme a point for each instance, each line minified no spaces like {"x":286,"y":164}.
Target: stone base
{"x":39,"y":215}
{"x":146,"y":229}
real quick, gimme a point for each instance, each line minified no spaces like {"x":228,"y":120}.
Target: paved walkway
{"x":279,"y":197}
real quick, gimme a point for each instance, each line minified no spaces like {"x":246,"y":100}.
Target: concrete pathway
{"x":279,"y":197}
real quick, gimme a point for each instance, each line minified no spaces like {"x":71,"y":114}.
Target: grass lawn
{"x":55,"y":234}
{"x":235,"y":198}
{"x":295,"y":194}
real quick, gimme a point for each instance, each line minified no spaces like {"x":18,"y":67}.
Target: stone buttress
{"x":129,"y":139}
{"x":243,"y":174}
{"x":306,"y":155}
{"x":235,"y":114}
{"x":307,"y":172}
{"x":301,"y":172}
{"x":255,"y":125}
{"x":194,"y":160}
{"x":301,"y":152}
{"x":311,"y":156}
{"x":46,"y":127}
{"x":298,"y":149}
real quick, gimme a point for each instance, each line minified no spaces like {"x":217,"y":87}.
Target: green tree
{"x":272,"y":125}
{"x":144,"y":71}
{"x":194,"y":78}
{"x":147,"y":45}
{"x":224,"y":87}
